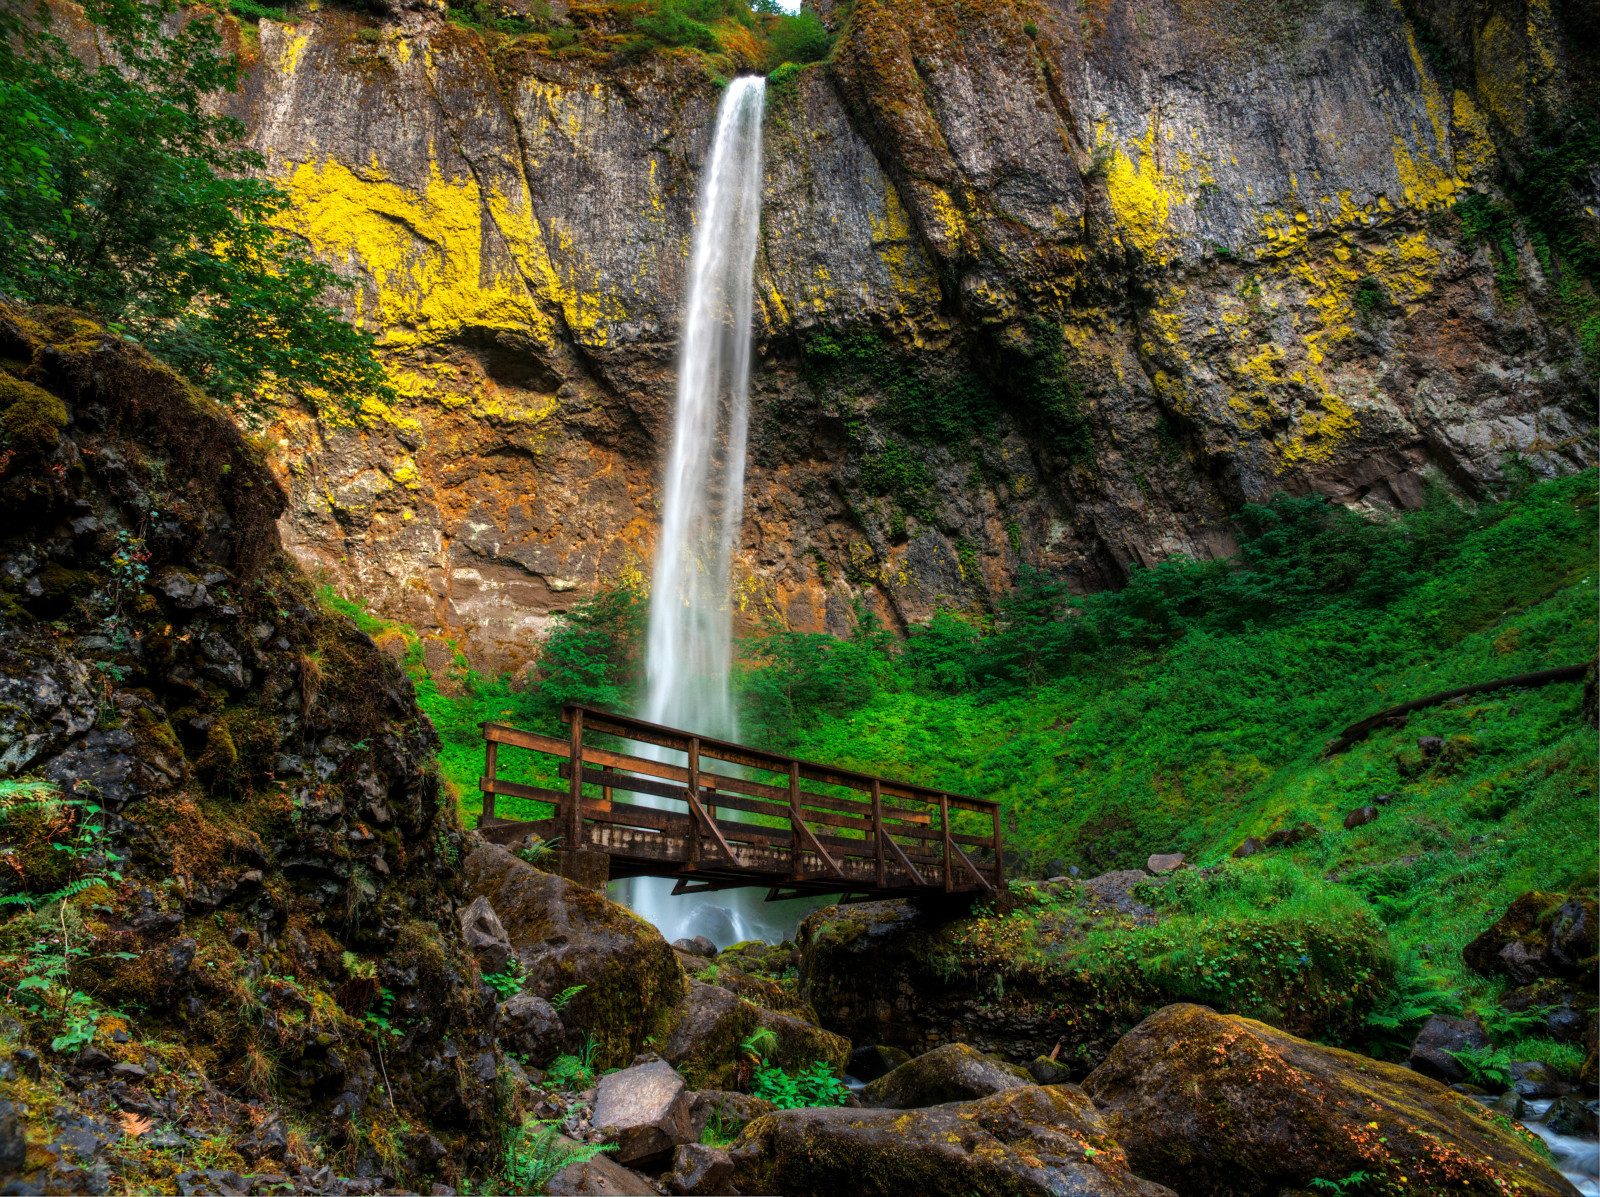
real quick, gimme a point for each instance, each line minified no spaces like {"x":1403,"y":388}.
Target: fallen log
{"x":1357,"y":732}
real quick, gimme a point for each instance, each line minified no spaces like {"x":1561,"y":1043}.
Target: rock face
{"x":1292,"y":1112}
{"x":1540,"y":935}
{"x":1032,"y":1141}
{"x":568,"y":935}
{"x":1432,"y":1053}
{"x":954,"y":1072}
{"x":266,"y":780}
{"x":644,"y":1110}
{"x":530,"y":1027}
{"x":1127,"y":271}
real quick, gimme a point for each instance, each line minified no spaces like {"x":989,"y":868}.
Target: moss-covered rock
{"x":568,"y":935}
{"x":1540,"y":935}
{"x":1027,"y":1142}
{"x":32,"y":417}
{"x":954,"y":1072}
{"x":703,"y":1038}
{"x":1209,"y":1104}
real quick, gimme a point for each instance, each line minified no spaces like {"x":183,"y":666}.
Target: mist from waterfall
{"x":689,"y":645}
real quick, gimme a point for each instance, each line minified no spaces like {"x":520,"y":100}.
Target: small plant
{"x":533,"y":1156}
{"x":719,"y":1131}
{"x":574,"y":1072}
{"x":1486,"y":1067}
{"x":1415,"y":999}
{"x":1348,"y":1185}
{"x":1369,"y":298}
{"x":510,"y":982}
{"x":1503,"y":1024}
{"x":709,"y":973}
{"x":564,"y":999}
{"x":814,"y":1085}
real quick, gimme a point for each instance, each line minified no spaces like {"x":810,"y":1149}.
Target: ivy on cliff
{"x":127,"y":197}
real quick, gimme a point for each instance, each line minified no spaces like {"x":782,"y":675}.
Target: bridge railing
{"x":866,"y":832}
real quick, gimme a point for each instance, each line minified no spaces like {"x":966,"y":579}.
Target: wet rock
{"x":1165,"y":863}
{"x":644,"y":1110}
{"x":698,"y":946}
{"x":955,"y":1072}
{"x":1031,"y":1141}
{"x":699,"y":1169}
{"x":568,"y":935}
{"x":1360,"y":817}
{"x":530,"y":1027}
{"x":707,"y":1026}
{"x":1540,"y":935}
{"x":485,"y":936}
{"x":1529,"y":1078}
{"x":1569,"y":1116}
{"x":1209,"y":1103}
{"x":1510,"y":1103}
{"x":1440,"y":1037}
{"x":1567,"y":1010}
{"x":869,"y":1063}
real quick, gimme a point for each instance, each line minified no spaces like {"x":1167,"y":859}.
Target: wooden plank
{"x":973,"y":869}
{"x":515,"y":790}
{"x":797,"y":823}
{"x":901,"y":856}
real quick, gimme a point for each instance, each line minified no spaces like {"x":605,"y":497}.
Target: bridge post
{"x":491,"y":754}
{"x":999,"y":860}
{"x":944,"y":824}
{"x":795,"y":830}
{"x":877,"y":832}
{"x":575,"y":789}
{"x":694,"y":800}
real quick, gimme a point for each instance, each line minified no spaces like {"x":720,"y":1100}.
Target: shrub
{"x":814,"y":1085}
{"x":801,"y":38}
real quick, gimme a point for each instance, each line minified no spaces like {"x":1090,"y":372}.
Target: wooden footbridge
{"x":866,"y":837}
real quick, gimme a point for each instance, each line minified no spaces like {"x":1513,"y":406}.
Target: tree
{"x":122,"y":194}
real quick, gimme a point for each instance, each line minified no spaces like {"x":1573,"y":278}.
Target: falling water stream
{"x":689,"y":649}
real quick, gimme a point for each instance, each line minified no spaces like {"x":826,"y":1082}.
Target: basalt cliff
{"x":1059,"y":283}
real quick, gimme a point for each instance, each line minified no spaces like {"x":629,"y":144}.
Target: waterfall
{"x":689,"y":646}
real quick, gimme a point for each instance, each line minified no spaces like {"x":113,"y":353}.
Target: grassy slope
{"x":1222,"y":738}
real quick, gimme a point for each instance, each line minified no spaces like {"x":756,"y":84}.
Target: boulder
{"x":530,"y":1027}
{"x":1540,"y":935}
{"x":485,"y":936}
{"x":644,"y":1110}
{"x":1210,"y":1104}
{"x":1360,"y":817}
{"x":710,"y":1023}
{"x":1531,"y":1079}
{"x":1569,"y":1116}
{"x":1166,"y":862}
{"x":699,"y":1169}
{"x":599,"y":1176}
{"x":954,"y":1072}
{"x":569,"y":935}
{"x":1288,"y":837}
{"x":1432,"y":1052}
{"x":732,"y":1111}
{"x":869,"y":1063}
{"x":1250,"y":847}
{"x":1568,"y":1011}
{"x":698,"y":946}
{"x":1049,"y":1072}
{"x":1028,"y":1142}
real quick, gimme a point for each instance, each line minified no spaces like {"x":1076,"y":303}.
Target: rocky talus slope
{"x":1045,"y":283}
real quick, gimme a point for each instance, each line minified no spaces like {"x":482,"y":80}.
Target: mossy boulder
{"x":1026,"y":1142}
{"x":1540,"y":935}
{"x":32,"y":417}
{"x":567,"y":935}
{"x":1209,"y":1103}
{"x":954,"y":1072}
{"x":702,"y":1037}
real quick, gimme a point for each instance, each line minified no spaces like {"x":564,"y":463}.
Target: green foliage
{"x":1564,"y":1058}
{"x":537,"y":1152}
{"x":510,"y":982}
{"x":564,"y":998}
{"x":801,"y":676}
{"x":574,"y":1072}
{"x":1192,"y":709}
{"x":251,"y":11}
{"x":591,"y":655}
{"x":720,"y":1131}
{"x":1485,"y":222}
{"x":1413,"y":998}
{"x":676,"y":23}
{"x":126,"y":196}
{"x":800,"y":38}
{"x":1503,"y":1024}
{"x":1051,"y":398}
{"x":1487,"y":1067}
{"x":1369,"y":297}
{"x":1343,"y":1187}
{"x":814,"y":1085}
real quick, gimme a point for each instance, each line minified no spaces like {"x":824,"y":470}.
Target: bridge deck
{"x":806,"y":828}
